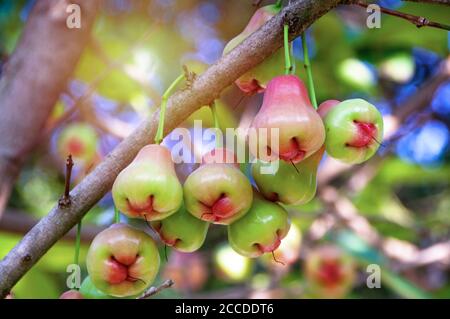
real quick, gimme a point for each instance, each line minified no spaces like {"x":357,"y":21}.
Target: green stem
{"x":160,"y":132}
{"x":287,"y":55}
{"x":216,"y":122}
{"x":279,"y":3}
{"x":116,"y":215}
{"x":307,"y":63}
{"x":76,"y":258}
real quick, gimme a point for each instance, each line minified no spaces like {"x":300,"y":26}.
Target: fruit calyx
{"x":171,"y":242}
{"x":120,"y":271}
{"x":221,"y":209}
{"x":329,"y":273}
{"x":271,"y":247}
{"x":366,"y":135}
{"x":142,"y":209}
{"x":75,"y":146}
{"x":294,"y":154}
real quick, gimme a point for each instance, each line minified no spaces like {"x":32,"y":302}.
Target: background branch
{"x":205,"y":89}
{"x":444,"y":2}
{"x":33,"y":79}
{"x":416,"y":20}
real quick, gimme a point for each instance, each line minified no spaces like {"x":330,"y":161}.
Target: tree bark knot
{"x":64,"y":201}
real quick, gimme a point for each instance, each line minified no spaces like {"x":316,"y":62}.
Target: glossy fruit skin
{"x":89,"y":291}
{"x":122,"y":261}
{"x":260,"y":230}
{"x":218,"y":193}
{"x":289,"y":185}
{"x":329,"y":272}
{"x":79,"y":140}
{"x":354,"y":131}
{"x":148,"y":188}
{"x":182,"y":231}
{"x":255,"y":80}
{"x":71,"y":294}
{"x":287,"y":253}
{"x":286,"y":107}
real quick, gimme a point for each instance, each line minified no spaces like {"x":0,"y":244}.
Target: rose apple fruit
{"x":287,"y":110}
{"x":122,"y":261}
{"x":261,"y":230}
{"x":148,"y":188}
{"x":182,"y":231}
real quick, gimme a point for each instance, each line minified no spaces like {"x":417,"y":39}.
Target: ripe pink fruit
{"x":286,"y":107}
{"x":71,"y":294}
{"x":255,"y":80}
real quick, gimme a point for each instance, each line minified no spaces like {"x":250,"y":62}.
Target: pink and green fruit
{"x":261,"y":230}
{"x":231,"y":266}
{"x":71,"y":294}
{"x":290,"y":184}
{"x":182,"y":231}
{"x":288,"y":252}
{"x":79,"y":140}
{"x":255,"y":80}
{"x":354,"y":130}
{"x":122,"y":261}
{"x":286,"y":107}
{"x":329,"y":272}
{"x":148,"y":188}
{"x":218,"y":193}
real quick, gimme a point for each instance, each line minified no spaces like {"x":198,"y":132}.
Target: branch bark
{"x":33,"y":79}
{"x":204,"y":90}
{"x":444,"y":2}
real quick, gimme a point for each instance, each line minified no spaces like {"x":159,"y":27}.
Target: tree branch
{"x":443,"y":2}
{"x":416,"y":20}
{"x":205,"y":89}
{"x":33,"y":79}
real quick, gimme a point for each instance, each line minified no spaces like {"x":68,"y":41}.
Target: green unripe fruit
{"x":260,"y":230}
{"x":290,"y":184}
{"x":89,"y":291}
{"x":182,"y":231}
{"x":354,"y":131}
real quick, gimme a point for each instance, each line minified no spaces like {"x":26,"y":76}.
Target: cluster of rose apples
{"x":123,"y":261}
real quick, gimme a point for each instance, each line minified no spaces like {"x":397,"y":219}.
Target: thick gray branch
{"x":203,"y":91}
{"x":33,"y":79}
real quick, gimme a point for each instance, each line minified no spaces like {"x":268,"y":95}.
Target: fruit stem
{"x":160,"y":132}
{"x":279,"y":3}
{"x":287,"y":55}
{"x":216,"y":121}
{"x":116,"y":216}
{"x":307,"y":64}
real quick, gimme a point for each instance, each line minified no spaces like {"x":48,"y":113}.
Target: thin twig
{"x":64,"y":201}
{"x":443,"y":2}
{"x":416,"y":20}
{"x":155,"y":290}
